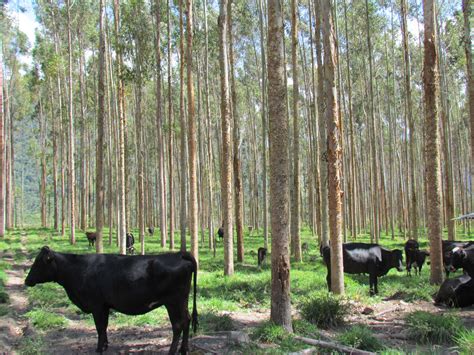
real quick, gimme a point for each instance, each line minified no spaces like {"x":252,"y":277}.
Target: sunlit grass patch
{"x":465,"y":341}
{"x":304,"y":328}
{"x":213,"y":322}
{"x":428,"y":328}
{"x":360,"y":337}
{"x":154,"y":318}
{"x":31,"y":345}
{"x":324,"y":310}
{"x":48,"y":295}
{"x":269,"y":332}
{"x":46,"y":320}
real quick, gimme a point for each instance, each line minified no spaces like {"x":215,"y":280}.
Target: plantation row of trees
{"x":349,"y":117}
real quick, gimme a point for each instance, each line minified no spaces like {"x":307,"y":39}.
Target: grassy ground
{"x":246,"y":292}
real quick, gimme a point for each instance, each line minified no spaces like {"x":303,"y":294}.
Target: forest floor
{"x":232,"y":310}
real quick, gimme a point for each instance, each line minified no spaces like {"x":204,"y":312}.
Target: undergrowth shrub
{"x":305,"y":328}
{"x":269,"y":332}
{"x":32,"y":345}
{"x":426,"y":327}
{"x":324,"y":310}
{"x":213,"y":322}
{"x":465,"y":341}
{"x":360,"y":337}
{"x":45,"y":320}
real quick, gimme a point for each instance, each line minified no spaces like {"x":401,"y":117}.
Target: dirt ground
{"x":384,"y":318}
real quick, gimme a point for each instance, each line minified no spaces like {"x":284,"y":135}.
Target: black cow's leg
{"x":101,"y":319}
{"x":177,"y":324}
{"x":186,"y":319}
{"x":372,"y":284}
{"x":328,"y":279}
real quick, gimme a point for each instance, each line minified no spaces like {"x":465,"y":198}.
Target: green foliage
{"x":324,"y":310}
{"x":3,"y":296}
{"x":153,"y":318}
{"x":47,"y":295}
{"x":213,"y":322}
{"x":360,"y":337}
{"x":4,"y":310}
{"x":269,"y":332}
{"x":305,"y":328}
{"x":465,"y":341}
{"x":44,"y":319}
{"x":426,"y":327}
{"x":31,"y":345}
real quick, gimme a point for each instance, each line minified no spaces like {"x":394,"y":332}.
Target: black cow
{"x":262,"y":254}
{"x":129,"y":242}
{"x":220,"y":232}
{"x":461,"y":258}
{"x":411,"y":248}
{"x":91,"y":237}
{"x":304,"y":248}
{"x":151,"y":230}
{"x":447,"y":248}
{"x":131,"y":285}
{"x":456,"y":292}
{"x":362,"y":258}
{"x":420,"y":257}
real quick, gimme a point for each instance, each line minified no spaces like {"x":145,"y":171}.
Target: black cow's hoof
{"x":101,"y":349}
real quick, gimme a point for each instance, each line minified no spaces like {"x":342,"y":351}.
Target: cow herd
{"x":98,"y":283}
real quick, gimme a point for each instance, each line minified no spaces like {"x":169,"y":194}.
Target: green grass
{"x":4,"y":310}
{"x":31,"y":345}
{"x":465,"y":341}
{"x":269,"y":332}
{"x":324,"y":310}
{"x":360,"y":337}
{"x":249,"y":289}
{"x":212,"y":322}
{"x":428,"y":328}
{"x":45,"y":320}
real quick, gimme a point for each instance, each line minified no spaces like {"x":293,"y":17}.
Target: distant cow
{"x":91,"y":237}
{"x":131,"y":285}
{"x":447,"y":248}
{"x":456,"y":292}
{"x":304,"y":248}
{"x":262,"y":254}
{"x":461,"y":258}
{"x":411,"y":248}
{"x":129,"y":242}
{"x":151,"y":230}
{"x":220,"y":232}
{"x":420,"y":257}
{"x":361,"y":258}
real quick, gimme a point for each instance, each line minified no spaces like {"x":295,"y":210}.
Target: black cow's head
{"x":43,"y":269}
{"x":397,"y":259}
{"x":456,"y":259}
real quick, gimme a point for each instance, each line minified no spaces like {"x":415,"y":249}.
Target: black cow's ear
{"x":462,"y":253}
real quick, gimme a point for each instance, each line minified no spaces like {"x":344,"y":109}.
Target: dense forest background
{"x":380,"y":97}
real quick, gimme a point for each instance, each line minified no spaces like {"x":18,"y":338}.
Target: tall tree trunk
{"x":209,"y":124}
{"x":226,"y":166}
{"x":334,"y":151}
{"x":322,"y":129}
{"x":279,"y":170}
{"x":193,"y":198}
{"x":264,"y":124}
{"x":170,"y":133}
{"x":42,"y":125}
{"x":373,"y":137}
{"x":159,"y":131}
{"x":99,"y":181}
{"x":121,"y":116}
{"x":295,"y":197}
{"x":431,"y":91}
{"x":467,"y":11}
{"x":239,"y":193}
{"x":411,"y":125}
{"x":182,"y":120}
{"x":72,"y":176}
{"x":2,"y":155}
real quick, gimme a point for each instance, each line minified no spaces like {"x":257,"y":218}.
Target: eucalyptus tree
{"x":431,"y":90}
{"x":280,"y":312}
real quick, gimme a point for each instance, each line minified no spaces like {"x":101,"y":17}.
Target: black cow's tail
{"x":194,"y":316}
